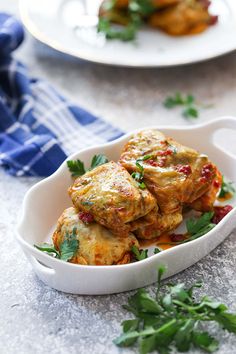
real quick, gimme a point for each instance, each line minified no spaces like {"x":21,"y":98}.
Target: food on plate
{"x":174,"y":17}
{"x":142,"y":198}
{"x":186,"y":17}
{"x":97,"y":245}
{"x":112,"y":197}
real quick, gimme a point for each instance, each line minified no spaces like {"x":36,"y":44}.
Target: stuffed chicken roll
{"x":110,"y":196}
{"x":174,"y":174}
{"x":96,"y":244}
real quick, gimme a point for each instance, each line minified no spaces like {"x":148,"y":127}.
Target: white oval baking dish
{"x":46,"y":200}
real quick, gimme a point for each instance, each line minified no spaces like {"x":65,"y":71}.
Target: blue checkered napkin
{"x":38,"y":127}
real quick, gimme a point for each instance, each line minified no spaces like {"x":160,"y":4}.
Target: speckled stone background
{"x":35,"y":319}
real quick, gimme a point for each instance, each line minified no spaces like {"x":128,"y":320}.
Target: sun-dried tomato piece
{"x":185,"y":169}
{"x":86,"y":217}
{"x":220,"y":213}
{"x":177,"y":237}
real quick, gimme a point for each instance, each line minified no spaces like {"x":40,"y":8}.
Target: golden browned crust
{"x":164,"y":173}
{"x":97,"y":245}
{"x":112,"y":197}
{"x":161,"y":224}
{"x":187,"y":17}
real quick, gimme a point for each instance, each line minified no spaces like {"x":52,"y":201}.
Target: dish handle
{"x":214,"y":126}
{"x":44,"y":272}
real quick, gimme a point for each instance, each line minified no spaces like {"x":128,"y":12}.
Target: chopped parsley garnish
{"x":173,"y":319}
{"x":227,"y":188}
{"x":139,"y":254}
{"x":77,"y":168}
{"x":139,"y":175}
{"x":187,"y":102}
{"x":67,"y":248}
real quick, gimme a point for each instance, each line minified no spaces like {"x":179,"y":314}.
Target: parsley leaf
{"x":98,"y":160}
{"x":69,"y":246}
{"x":139,"y":254}
{"x":226,"y":188}
{"x":139,"y":175}
{"x":67,"y":249}
{"x":173,"y":101}
{"x":205,"y":341}
{"x":190,"y":112}
{"x":173,"y":320}
{"x":125,"y":34}
{"x":227,"y":320}
{"x":48,"y":248}
{"x":188,"y":102}
{"x":77,"y":168}
{"x":198,"y":227}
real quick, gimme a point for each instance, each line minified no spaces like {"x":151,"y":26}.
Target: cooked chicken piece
{"x":97,"y":245}
{"x":187,"y":17}
{"x":206,"y":201}
{"x":112,"y":197}
{"x":161,"y":224}
{"x":174,"y":174}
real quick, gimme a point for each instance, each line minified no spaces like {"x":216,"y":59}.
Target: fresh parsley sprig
{"x":67,"y":248}
{"x":227,"y":188}
{"x":196,"y":227}
{"x":173,"y":319}
{"x":187,"y":102}
{"x":77,"y":168}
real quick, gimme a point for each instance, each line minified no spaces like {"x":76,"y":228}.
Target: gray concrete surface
{"x":35,"y":319}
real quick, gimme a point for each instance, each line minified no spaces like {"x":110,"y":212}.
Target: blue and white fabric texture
{"x":38,"y":127}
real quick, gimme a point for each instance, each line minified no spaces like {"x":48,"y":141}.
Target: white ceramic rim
{"x":92,"y":58}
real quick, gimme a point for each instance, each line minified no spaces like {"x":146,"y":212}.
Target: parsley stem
{"x":189,"y":308}
{"x":150,"y":331}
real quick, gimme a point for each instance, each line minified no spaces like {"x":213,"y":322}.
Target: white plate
{"x":53,"y":23}
{"x":45,"y":201}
